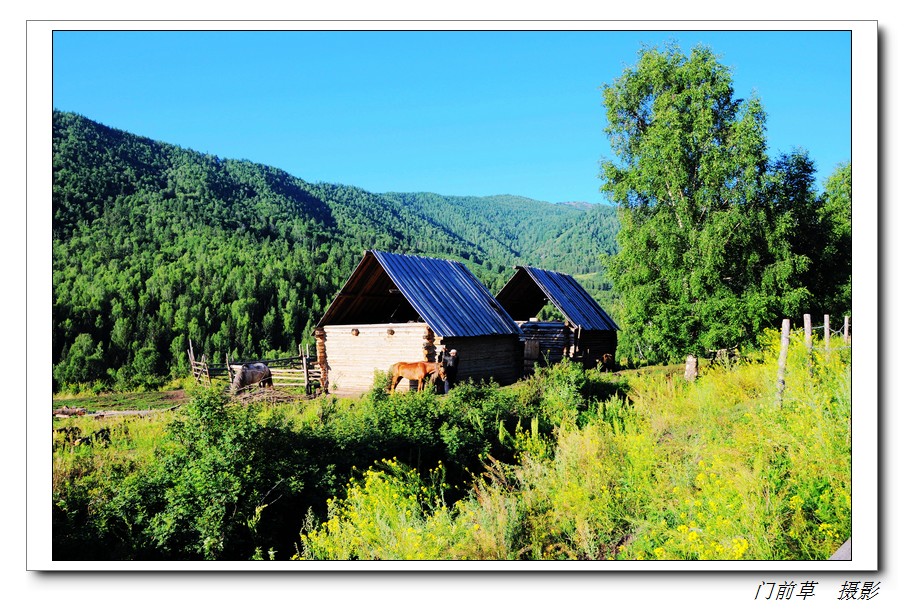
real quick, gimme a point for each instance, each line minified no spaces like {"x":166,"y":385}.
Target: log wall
{"x":553,"y":340}
{"x":350,"y":354}
{"x":592,"y":345}
{"x":482,"y":358}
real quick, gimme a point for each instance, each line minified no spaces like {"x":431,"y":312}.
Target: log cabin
{"x":410,"y":308}
{"x":587,"y":332}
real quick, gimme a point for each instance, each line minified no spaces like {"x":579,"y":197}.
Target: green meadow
{"x":567,"y":464}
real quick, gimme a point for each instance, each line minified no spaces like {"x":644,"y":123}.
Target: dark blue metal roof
{"x":572,"y":300}
{"x":449,"y":298}
{"x":388,"y":288}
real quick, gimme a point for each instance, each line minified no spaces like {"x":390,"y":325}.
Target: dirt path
{"x":145,"y":404}
{"x":120,"y":404}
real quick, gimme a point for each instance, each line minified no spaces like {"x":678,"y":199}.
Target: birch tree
{"x":688,"y":177}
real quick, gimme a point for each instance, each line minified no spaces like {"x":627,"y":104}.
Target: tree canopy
{"x":712,"y":243}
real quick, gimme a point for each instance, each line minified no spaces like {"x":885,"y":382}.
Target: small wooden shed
{"x":409,"y":308}
{"x":587,"y":333}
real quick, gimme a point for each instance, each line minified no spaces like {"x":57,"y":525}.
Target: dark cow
{"x":608,"y":362}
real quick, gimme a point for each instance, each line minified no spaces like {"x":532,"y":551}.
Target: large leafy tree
{"x":689,"y":177}
{"x":837,"y":214}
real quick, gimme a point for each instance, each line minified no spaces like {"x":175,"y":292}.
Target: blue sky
{"x":456,"y":113}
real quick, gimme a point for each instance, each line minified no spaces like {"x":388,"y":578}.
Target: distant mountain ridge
{"x":155,"y":244}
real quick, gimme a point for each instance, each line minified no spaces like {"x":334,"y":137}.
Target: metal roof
{"x":443,"y":293}
{"x":563,"y":291}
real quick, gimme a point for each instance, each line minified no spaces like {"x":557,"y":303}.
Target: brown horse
{"x":419,"y":371}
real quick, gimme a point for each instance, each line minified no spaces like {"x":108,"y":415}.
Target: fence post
{"x":808,"y":333}
{"x":847,"y":327}
{"x":827,"y":334}
{"x":690,"y":368}
{"x":304,"y":368}
{"x":808,"y":342}
{"x":783,"y":358}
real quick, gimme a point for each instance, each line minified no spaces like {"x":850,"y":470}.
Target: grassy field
{"x":714,"y":470}
{"x":138,"y":401}
{"x":568,"y":464}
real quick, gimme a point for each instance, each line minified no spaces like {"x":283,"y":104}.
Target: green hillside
{"x":154,"y":244}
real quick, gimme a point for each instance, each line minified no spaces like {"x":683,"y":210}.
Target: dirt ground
{"x":121,"y":403}
{"x":142,"y":404}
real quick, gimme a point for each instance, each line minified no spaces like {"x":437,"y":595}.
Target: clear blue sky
{"x":456,"y":113}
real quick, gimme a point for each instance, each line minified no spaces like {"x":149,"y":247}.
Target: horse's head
{"x":441,"y":371}
{"x":238,"y":382}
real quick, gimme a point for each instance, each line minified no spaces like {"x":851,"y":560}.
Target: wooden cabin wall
{"x":492,"y":356}
{"x":558,"y":341}
{"x":351,"y":353}
{"x":554,"y":339}
{"x":349,"y":360}
{"x":594,"y":344}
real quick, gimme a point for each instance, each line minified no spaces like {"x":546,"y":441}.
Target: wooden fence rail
{"x":294,"y":371}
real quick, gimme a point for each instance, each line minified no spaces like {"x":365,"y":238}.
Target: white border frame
{"x":865,"y":289}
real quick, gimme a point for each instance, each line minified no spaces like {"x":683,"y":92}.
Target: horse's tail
{"x":392,"y":375}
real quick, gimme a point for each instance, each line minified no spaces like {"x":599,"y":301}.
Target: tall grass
{"x":710,"y":470}
{"x":567,"y":464}
{"x":92,"y":464}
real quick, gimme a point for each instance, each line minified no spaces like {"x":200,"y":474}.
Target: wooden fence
{"x":295,"y":371}
{"x":827,"y":333}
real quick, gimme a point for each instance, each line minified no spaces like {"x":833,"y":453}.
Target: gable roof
{"x":400,"y":288}
{"x":525,"y":294}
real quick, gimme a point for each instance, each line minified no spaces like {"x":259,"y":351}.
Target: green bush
{"x":226,"y":466}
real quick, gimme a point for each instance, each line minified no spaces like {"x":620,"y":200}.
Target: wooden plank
{"x":305,"y":363}
{"x":808,"y":341}
{"x":783,"y":358}
{"x":532,"y":349}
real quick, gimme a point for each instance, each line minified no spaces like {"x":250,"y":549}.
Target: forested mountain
{"x":154,"y":244}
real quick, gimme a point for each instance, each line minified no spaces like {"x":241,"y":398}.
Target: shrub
{"x":203,"y":497}
{"x":569,"y":464}
{"x":384,"y":516}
